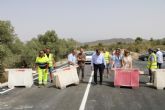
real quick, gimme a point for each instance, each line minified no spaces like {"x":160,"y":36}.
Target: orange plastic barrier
{"x":126,"y":77}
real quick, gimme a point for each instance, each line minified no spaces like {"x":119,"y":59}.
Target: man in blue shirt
{"x":98,"y":63}
{"x":72,"y":60}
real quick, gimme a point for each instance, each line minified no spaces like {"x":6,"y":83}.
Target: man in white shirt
{"x":98,"y":63}
{"x":72,"y":60}
{"x":159,"y":55}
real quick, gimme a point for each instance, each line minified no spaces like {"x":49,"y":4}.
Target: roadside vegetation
{"x":14,"y":52}
{"x":139,"y":45}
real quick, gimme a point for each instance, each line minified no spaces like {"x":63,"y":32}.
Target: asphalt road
{"x":100,"y":97}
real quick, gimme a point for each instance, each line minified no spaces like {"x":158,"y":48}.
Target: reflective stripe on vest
{"x":42,"y":62}
{"x":152,"y":64}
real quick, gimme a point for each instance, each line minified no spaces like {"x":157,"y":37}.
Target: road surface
{"x":100,"y":97}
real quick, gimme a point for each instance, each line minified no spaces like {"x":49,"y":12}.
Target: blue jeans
{"x":50,"y":69}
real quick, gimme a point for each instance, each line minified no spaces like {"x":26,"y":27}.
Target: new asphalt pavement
{"x":99,"y":97}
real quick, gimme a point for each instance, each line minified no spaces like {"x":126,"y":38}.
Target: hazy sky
{"x":86,"y":20}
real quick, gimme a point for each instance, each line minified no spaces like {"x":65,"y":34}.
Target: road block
{"x":159,"y":78}
{"x":66,"y":76}
{"x":20,"y":77}
{"x":126,"y":77}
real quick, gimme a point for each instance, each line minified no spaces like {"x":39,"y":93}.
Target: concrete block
{"x":20,"y":77}
{"x":159,"y":78}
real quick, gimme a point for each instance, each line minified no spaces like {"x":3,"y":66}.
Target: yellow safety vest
{"x":50,"y":58}
{"x":42,"y":62}
{"x":152,"y":64}
{"x":106,"y":57}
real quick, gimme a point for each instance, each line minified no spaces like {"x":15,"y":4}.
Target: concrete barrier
{"x":20,"y":77}
{"x":3,"y":84}
{"x":159,"y":78}
{"x":141,"y":72}
{"x":66,"y":76}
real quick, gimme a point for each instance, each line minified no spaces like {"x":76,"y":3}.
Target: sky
{"x":86,"y":20}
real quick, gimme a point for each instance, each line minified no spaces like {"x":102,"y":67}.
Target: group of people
{"x":118,"y":59}
{"x":79,"y":60}
{"x":101,"y":60}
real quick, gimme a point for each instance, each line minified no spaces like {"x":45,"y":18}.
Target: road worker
{"x":152,"y":64}
{"x":52,"y":64}
{"x":42,"y":68}
{"x":107,"y":58}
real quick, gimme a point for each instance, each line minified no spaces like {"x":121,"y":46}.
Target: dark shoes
{"x":39,"y":86}
{"x":42,"y":85}
{"x":94,"y":83}
{"x":81,"y":80}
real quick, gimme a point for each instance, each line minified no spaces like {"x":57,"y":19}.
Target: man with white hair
{"x":159,"y":56}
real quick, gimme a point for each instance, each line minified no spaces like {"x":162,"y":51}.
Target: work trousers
{"x":151,"y":76}
{"x":42,"y":76}
{"x":80,"y":68}
{"x":99,"y":67}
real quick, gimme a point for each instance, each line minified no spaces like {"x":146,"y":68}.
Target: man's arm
{"x":78,"y":58}
{"x":103,"y":60}
{"x":112,"y":62}
{"x":151,"y":59}
{"x":54,"y":63}
{"x":84,"y":58}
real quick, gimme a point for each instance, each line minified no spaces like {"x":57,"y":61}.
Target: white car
{"x":89,"y":56}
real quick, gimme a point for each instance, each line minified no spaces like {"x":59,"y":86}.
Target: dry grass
{"x":135,"y":55}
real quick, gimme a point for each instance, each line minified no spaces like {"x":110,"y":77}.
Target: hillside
{"x":110,"y":41}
